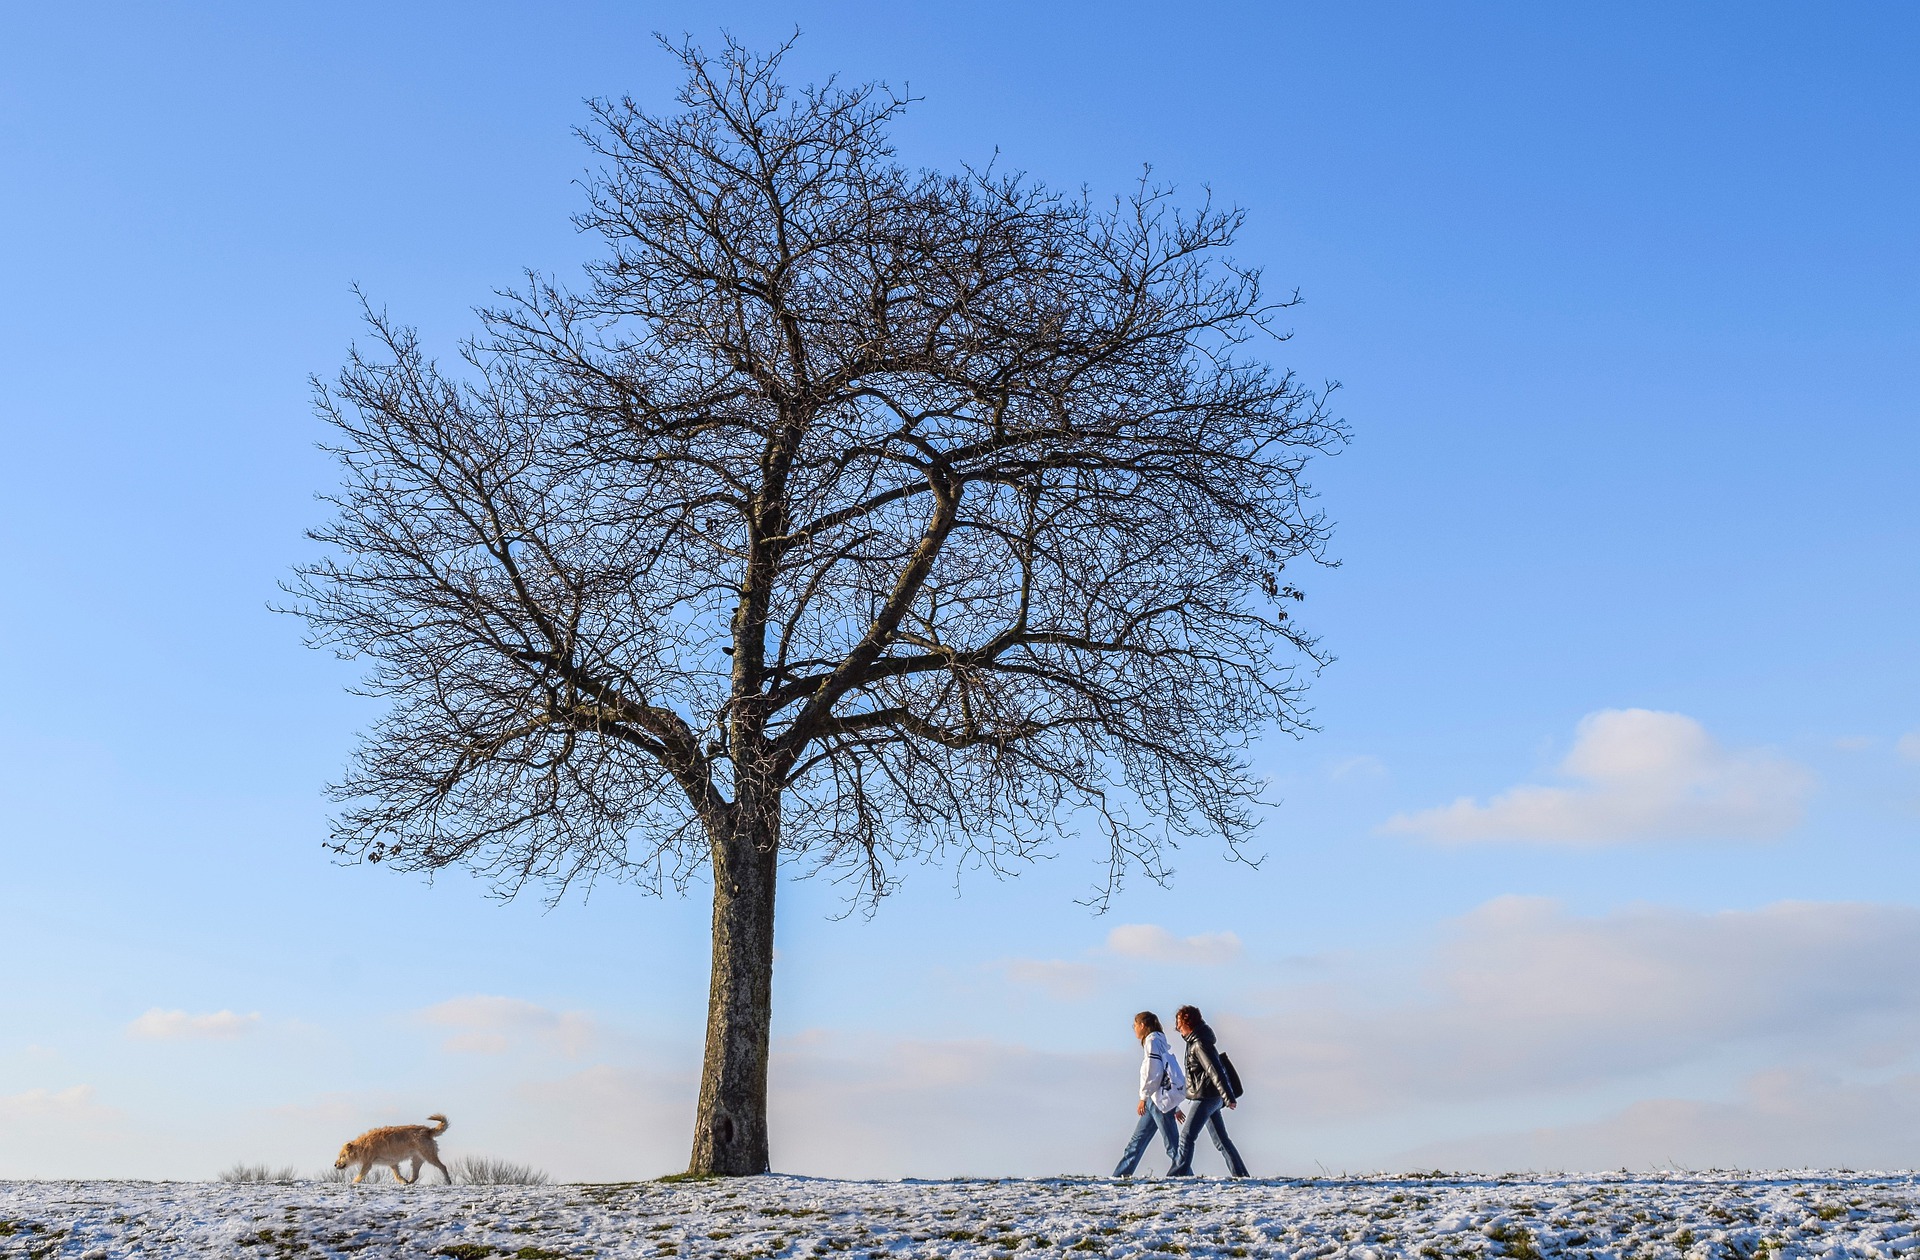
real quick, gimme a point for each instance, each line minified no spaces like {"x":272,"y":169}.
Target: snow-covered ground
{"x":1733,"y":1216}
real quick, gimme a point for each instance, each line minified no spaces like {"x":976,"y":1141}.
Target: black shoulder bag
{"x":1233,"y":1077}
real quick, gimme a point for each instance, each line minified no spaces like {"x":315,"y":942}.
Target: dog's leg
{"x":361,"y":1175}
{"x":434,"y":1159}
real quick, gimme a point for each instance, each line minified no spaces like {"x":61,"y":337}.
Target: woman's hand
{"x":1141,"y":1110}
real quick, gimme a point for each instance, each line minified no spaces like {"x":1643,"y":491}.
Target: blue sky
{"x":1623,"y":300}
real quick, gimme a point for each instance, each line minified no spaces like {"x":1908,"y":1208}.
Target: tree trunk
{"x":730,"y":1126}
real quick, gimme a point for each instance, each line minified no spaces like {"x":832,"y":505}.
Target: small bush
{"x":258,"y":1172}
{"x":478,"y":1170}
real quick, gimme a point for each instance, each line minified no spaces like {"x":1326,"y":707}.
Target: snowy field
{"x":1623,"y":1217}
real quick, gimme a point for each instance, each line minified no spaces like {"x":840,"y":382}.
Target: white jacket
{"x":1163,"y":1081}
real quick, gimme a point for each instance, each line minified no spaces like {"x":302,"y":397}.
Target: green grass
{"x":1515,"y":1242}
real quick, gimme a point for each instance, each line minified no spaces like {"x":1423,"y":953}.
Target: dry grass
{"x":346,"y":1174}
{"x":479,"y":1170}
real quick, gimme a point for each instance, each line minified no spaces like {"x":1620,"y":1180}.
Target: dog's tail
{"x":443,"y":1123}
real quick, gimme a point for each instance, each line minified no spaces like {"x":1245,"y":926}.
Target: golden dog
{"x":393,"y":1146}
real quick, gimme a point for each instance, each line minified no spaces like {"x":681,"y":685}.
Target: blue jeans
{"x":1205,"y":1111}
{"x":1152,"y":1118}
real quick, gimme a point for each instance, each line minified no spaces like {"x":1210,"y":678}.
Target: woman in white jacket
{"x":1163,"y":1088}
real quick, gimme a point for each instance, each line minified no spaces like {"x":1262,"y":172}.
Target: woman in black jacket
{"x":1208,"y":1092}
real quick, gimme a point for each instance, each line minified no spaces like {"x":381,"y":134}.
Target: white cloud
{"x":602,"y":1123}
{"x":164,"y":1025}
{"x":1909,"y":746}
{"x":1522,"y":1034}
{"x":493,"y":1025}
{"x":1366,"y":767}
{"x":1067,"y":981}
{"x":1639,"y":775}
{"x":1521,"y":998}
{"x":1778,"y":1119}
{"x":842,"y":1104}
{"x":1153,"y":943}
{"x":66,"y":1105}
{"x":58,"y":1133}
{"x":846,"y":1106}
{"x":1516,"y":1011}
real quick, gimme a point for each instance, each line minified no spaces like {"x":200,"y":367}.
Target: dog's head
{"x":348,"y":1154}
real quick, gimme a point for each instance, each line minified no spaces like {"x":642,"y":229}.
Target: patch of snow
{"x":1711,"y":1216}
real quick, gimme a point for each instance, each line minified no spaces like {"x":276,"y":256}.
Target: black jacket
{"x":1205,"y":1077}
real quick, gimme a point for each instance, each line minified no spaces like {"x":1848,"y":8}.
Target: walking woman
{"x":1209,"y":1088}
{"x":1162,"y":1087}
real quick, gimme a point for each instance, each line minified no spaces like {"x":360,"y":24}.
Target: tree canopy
{"x":868,"y":512}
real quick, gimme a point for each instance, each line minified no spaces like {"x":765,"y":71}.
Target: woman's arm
{"x":1151,"y":1068}
{"x":1210,"y":1064}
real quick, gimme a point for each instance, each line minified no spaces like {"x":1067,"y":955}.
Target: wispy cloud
{"x":164,"y":1025}
{"x":486,"y":1024}
{"x":1365,"y":766}
{"x":1522,"y":997}
{"x":74,"y":1103}
{"x":1909,"y":747}
{"x":1778,"y":1119}
{"x":1071,"y":981}
{"x":1153,"y":943}
{"x":1521,"y":1034}
{"x":1061,"y":980}
{"x":860,"y":1106}
{"x":1636,"y":775}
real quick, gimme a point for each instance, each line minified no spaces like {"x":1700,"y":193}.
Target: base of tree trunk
{"x":730,"y":1124}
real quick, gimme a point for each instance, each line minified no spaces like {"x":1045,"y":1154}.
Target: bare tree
{"x":847,"y":514}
